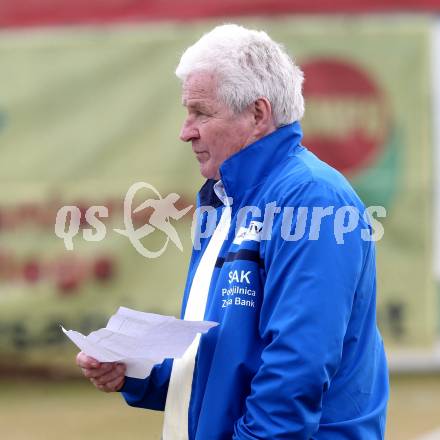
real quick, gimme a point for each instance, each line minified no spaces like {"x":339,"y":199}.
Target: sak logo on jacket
{"x":250,"y":233}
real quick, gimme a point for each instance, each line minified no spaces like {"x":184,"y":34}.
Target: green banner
{"x":84,"y":114}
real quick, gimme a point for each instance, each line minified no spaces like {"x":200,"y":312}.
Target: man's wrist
{"x":121,"y":385}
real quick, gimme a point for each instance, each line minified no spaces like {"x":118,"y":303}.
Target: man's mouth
{"x":201,"y":155}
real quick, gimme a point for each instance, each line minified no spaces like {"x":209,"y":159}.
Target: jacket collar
{"x":252,"y":165}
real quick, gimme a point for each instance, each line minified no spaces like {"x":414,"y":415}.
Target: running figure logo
{"x":163,"y":210}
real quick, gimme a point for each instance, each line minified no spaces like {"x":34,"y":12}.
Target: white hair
{"x":249,"y":65}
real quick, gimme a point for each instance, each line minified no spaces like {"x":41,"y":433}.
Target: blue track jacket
{"x":297,"y":354}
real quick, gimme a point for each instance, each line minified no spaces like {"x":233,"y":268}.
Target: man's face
{"x":214,"y":131}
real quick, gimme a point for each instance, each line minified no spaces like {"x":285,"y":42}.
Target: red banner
{"x":19,"y":13}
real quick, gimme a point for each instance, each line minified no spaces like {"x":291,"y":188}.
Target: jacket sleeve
{"x":308,"y":296}
{"x":151,"y":392}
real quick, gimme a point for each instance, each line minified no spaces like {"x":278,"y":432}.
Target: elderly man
{"x":297,"y":354}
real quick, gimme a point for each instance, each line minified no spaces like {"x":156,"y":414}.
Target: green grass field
{"x":75,"y":410}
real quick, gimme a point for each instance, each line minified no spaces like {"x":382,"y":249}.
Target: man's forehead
{"x":193,"y":102}
{"x":198,"y":87}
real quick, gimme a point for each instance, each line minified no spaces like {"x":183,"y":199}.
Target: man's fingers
{"x":84,"y":361}
{"x":102,"y":370}
{"x":115,"y":374}
{"x":115,"y":385}
{"x":106,"y":376}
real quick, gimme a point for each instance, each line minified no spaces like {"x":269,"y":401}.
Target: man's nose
{"x":188,"y":132}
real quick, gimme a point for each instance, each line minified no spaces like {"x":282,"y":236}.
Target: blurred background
{"x":89,"y":105}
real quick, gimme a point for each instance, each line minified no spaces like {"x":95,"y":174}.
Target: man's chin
{"x":208,"y":172}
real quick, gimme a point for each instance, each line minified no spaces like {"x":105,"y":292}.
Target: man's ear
{"x":262,"y":111}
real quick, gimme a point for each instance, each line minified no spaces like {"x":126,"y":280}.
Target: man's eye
{"x":202,"y":115}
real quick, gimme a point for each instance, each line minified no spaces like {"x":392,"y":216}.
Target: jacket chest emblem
{"x":249,"y":233}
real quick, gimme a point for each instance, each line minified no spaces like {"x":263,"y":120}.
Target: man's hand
{"x":106,"y":376}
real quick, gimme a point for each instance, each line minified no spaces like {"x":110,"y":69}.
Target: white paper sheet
{"x":139,"y":339}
